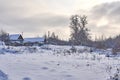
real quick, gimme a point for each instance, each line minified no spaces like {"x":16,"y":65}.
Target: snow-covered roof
{"x":37,"y":39}
{"x":14,"y":36}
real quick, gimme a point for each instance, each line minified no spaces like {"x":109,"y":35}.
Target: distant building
{"x":15,"y":40}
{"x":38,"y":41}
{"x":18,"y":40}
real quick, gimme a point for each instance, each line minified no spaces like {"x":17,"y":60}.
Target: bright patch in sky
{"x":102,"y":22}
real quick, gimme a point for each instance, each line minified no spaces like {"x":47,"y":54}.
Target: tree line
{"x":79,"y":35}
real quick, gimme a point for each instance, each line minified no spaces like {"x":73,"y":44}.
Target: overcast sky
{"x":37,"y":17}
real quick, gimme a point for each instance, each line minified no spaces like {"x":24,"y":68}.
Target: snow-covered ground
{"x":56,"y":63}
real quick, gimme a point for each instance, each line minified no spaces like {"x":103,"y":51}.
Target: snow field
{"x":55,"y":64}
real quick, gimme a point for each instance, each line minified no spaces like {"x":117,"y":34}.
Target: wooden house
{"x":16,"y":39}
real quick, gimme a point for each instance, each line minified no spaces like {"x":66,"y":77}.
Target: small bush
{"x":73,"y":49}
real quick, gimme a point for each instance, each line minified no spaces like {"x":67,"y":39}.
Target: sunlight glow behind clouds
{"x":102,"y":22}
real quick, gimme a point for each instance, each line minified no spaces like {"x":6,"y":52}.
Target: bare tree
{"x":4,"y":36}
{"x":79,"y":34}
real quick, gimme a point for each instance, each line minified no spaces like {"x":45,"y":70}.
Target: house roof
{"x":32,"y":40}
{"x":14,"y":36}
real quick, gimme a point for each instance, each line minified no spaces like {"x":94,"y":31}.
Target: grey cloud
{"x":14,"y":14}
{"x":111,"y":11}
{"x":48,"y":19}
{"x":38,"y":21}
